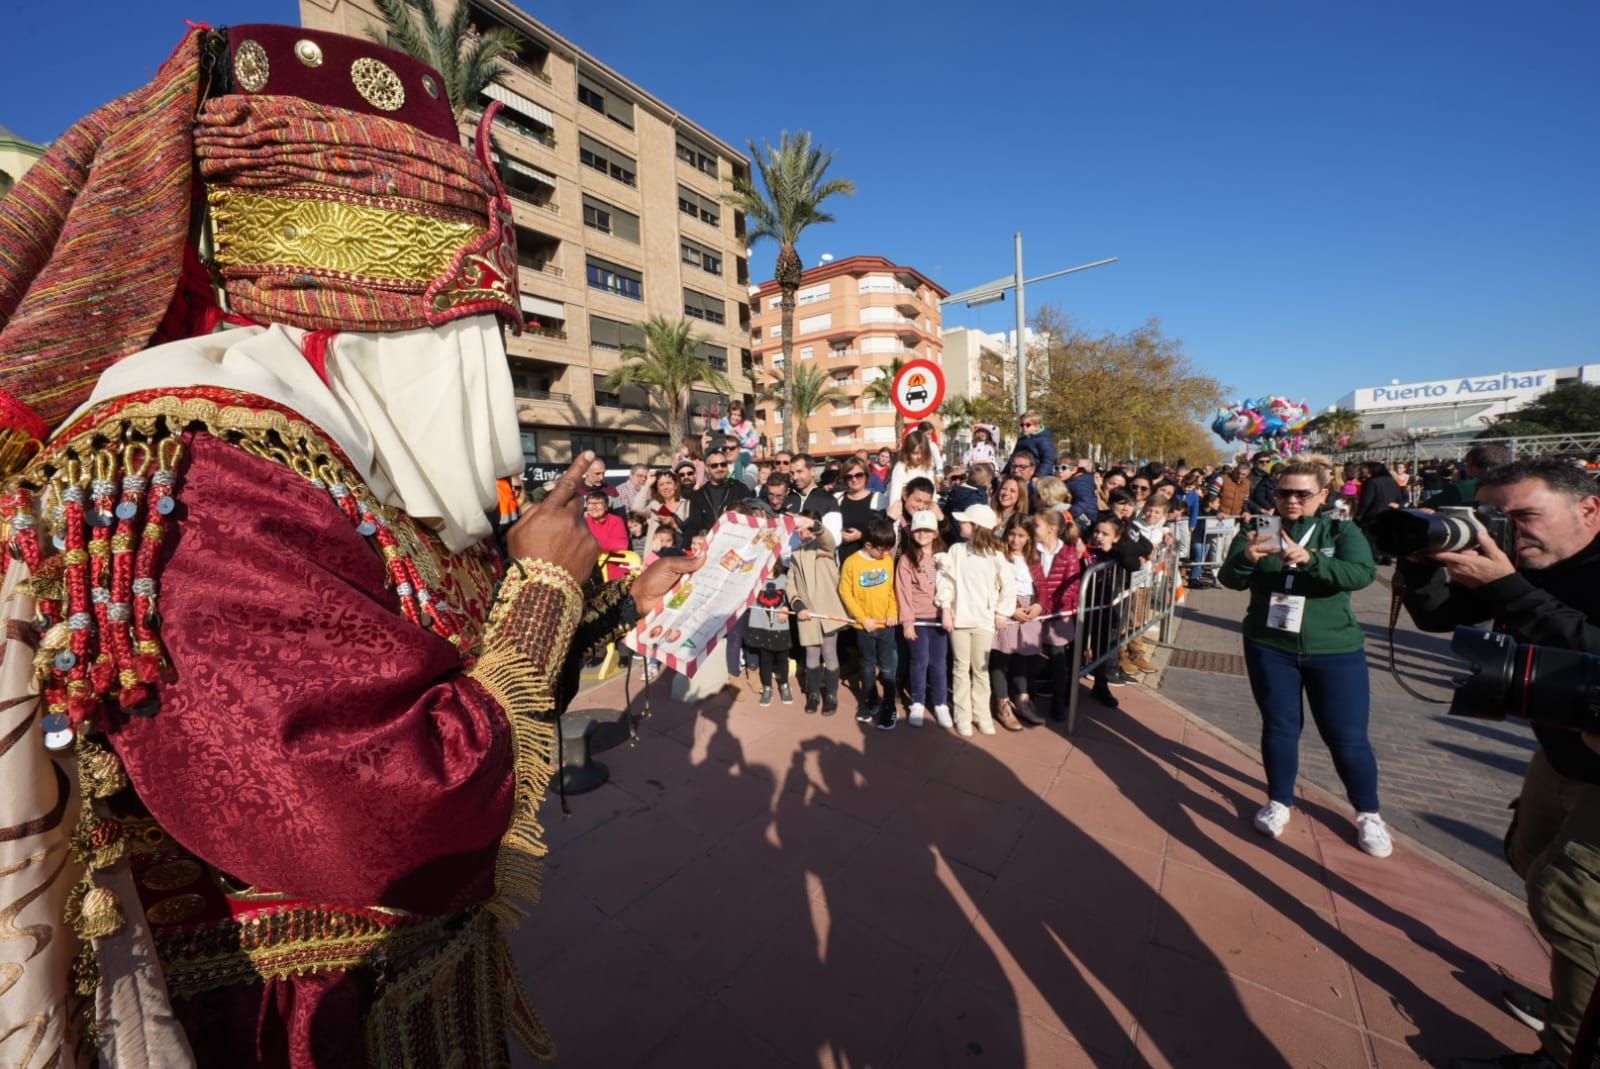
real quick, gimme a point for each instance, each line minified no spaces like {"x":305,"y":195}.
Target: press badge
{"x":1285,"y":611}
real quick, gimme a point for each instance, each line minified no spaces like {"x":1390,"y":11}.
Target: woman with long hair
{"x":1010,"y":498}
{"x":858,"y":504}
{"x":690,"y":452}
{"x":665,"y":506}
{"x":1379,"y":493}
{"x":1018,"y":643}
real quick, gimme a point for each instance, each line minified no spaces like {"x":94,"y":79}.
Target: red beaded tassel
{"x":135,"y":479}
{"x":74,"y":660}
{"x":102,"y":491}
{"x":147,"y":660}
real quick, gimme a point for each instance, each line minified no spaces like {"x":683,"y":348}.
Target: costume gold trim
{"x":351,"y":237}
{"x":530,"y":629}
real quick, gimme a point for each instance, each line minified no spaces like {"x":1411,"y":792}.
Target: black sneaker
{"x":1527,"y":1006}
{"x":785,"y":693}
{"x":766,"y":697}
{"x":887,"y":718}
{"x":866,"y":712}
{"x":1104,"y":696}
{"x":1118,"y":678}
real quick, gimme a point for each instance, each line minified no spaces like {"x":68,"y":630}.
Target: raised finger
{"x":565,"y":489}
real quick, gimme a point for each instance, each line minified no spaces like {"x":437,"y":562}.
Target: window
{"x":609,"y":219}
{"x":606,"y":103}
{"x":880,"y":434}
{"x":704,"y":208}
{"x":715,"y":355}
{"x":704,"y":306}
{"x":530,"y":447}
{"x":610,"y":334}
{"x":775,"y":303}
{"x":812,"y":324}
{"x":812,"y":294}
{"x":879,"y":315}
{"x":607,"y":160}
{"x":808,"y":352}
{"x":880,"y":284}
{"x":697,"y":157}
{"x":636,"y":398}
{"x":614,"y":279}
{"x":705,"y":259}
{"x":605,"y":446}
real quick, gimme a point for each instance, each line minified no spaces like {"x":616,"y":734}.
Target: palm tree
{"x":809,"y":389}
{"x":794,"y":175}
{"x":1335,"y":423}
{"x":669,"y":365}
{"x":880,"y":391}
{"x":467,"y":59}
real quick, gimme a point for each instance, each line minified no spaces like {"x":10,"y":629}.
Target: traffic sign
{"x":918,"y":389}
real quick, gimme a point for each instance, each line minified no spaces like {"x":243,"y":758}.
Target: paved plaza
{"x":759,"y":887}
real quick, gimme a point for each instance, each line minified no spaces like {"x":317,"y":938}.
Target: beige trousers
{"x":970,"y":648}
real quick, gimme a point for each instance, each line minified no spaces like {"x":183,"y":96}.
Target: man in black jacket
{"x":1550,"y":597}
{"x":1263,"y":500}
{"x":812,"y":498}
{"x":718,"y":495}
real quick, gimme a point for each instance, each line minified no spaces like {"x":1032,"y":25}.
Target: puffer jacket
{"x":1231,"y":499}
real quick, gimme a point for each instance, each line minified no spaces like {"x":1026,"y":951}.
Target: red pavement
{"x":759,"y":887}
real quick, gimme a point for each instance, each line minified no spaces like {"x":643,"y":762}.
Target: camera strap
{"x":1397,"y":591}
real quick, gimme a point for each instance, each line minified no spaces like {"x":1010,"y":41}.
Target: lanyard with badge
{"x":1286,"y":611}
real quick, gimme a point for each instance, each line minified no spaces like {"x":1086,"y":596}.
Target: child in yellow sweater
{"x":866,"y":586}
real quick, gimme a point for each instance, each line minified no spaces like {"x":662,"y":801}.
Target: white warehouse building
{"x":1461,"y":404}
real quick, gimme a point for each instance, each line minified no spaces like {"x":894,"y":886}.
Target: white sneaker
{"x":1273,"y":818}
{"x":964,"y":730}
{"x":1372,"y":835}
{"x":986,"y":728}
{"x":941,"y":713}
{"x":915,"y":715}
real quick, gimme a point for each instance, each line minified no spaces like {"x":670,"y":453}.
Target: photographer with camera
{"x":1301,"y":641}
{"x":1547,"y":514}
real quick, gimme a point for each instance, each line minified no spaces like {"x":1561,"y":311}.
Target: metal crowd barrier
{"x":1115,"y":607}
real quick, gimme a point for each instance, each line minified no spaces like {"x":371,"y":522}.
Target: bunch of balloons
{"x":1269,"y":419}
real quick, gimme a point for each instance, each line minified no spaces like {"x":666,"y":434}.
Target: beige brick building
{"x":853,"y":317}
{"x":619,"y":217}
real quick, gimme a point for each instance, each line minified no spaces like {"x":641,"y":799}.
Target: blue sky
{"x":1313,"y":197}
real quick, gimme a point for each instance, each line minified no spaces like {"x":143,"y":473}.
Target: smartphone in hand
{"x":1265,"y":525}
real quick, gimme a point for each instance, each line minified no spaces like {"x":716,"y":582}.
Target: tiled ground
{"x":758,"y":887}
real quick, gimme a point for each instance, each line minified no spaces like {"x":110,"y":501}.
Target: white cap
{"x":924,"y":521}
{"x":979,"y":516}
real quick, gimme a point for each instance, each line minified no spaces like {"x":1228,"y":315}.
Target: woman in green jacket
{"x":1301,"y":641}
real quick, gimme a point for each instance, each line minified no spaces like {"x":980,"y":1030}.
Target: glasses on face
{"x":1028,"y":425}
{"x":783,"y":463}
{"x":1141,"y":488}
{"x":854,"y":475}
{"x":717,"y":465}
{"x":1297,"y":495}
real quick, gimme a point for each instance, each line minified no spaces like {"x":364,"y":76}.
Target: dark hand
{"x":655,"y":581}
{"x":554,"y":530}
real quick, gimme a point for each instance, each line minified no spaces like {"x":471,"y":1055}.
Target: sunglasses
{"x":1298,"y":495}
{"x":856,"y":475}
{"x":717,"y":467}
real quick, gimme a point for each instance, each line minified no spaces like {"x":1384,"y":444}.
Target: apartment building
{"x":619,"y":217}
{"x":853,"y":317}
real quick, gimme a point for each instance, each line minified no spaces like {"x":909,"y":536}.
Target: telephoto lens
{"x":1407,"y":532}
{"x":1554,"y":687}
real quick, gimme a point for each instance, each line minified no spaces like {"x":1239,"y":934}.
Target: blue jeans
{"x":930,"y":664}
{"x":1336,"y":686}
{"x":878,"y":658}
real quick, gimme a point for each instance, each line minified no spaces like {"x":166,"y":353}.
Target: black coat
{"x":1378,"y":494}
{"x":707,"y":504}
{"x":1556,"y":606}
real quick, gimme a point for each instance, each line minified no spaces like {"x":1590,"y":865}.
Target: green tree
{"x":808,"y":390}
{"x":1334,"y":424}
{"x":1129,"y":395}
{"x":964,"y":412}
{"x":670,"y":366}
{"x":1570,"y":409}
{"x":794,"y":186}
{"x":880,"y":391}
{"x":467,"y":59}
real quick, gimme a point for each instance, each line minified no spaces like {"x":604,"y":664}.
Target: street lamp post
{"x":996,"y":291}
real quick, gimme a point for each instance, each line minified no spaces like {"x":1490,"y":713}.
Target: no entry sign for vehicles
{"x":919,"y":389}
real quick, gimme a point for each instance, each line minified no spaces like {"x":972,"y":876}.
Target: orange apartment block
{"x":852,"y":317}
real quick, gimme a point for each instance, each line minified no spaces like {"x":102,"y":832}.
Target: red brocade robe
{"x":331,"y":807}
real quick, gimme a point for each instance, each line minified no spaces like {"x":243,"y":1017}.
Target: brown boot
{"x":1026,"y":713}
{"x":1007,"y":718}
{"x":1135,"y":655}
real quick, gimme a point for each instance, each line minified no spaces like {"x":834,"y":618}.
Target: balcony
{"x":559,"y":333}
{"x":542,"y":395}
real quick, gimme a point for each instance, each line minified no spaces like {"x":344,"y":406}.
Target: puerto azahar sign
{"x":1511,"y":388}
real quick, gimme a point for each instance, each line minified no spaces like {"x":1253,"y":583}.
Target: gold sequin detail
{"x":369,"y":240}
{"x":431,"y":86}
{"x":378,"y":84}
{"x":171,"y":875}
{"x":250,"y":67}
{"x":176,"y":910}
{"x":308,"y":52}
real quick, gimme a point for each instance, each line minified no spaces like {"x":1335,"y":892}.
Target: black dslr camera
{"x":1410,"y":532}
{"x":1554,"y":687}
